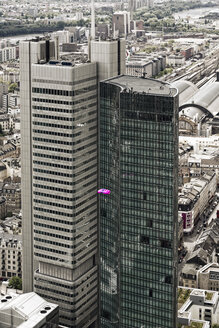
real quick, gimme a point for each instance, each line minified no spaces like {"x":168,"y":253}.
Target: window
{"x":105,"y":314}
{"x":168,"y":279}
{"x":144,"y":239}
{"x":103,"y":212}
{"x":165,"y":243}
{"x":150,"y":223}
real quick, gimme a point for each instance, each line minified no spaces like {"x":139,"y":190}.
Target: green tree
{"x":12,"y":87}
{"x":15,"y":282}
{"x":61,"y":24}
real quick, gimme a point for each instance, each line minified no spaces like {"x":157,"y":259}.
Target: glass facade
{"x":138,"y":220}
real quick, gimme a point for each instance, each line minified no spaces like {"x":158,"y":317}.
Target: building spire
{"x":92,"y":20}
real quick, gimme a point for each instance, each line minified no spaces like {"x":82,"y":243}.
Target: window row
{"x":64,"y":110}
{"x":68,"y":183}
{"x":63,"y":102}
{"x":52,"y":227}
{"x":67,"y":159}
{"x":61,"y":142}
{"x":50,"y":219}
{"x":58,"y":134}
{"x":66,"y":93}
{"x":51,"y":242}
{"x":61,"y":82}
{"x":52,"y":250}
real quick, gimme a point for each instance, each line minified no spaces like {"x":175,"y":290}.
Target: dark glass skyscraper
{"x":138,"y":219}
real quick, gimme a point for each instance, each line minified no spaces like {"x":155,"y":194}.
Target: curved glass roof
{"x":204,"y":102}
{"x":186,"y":90}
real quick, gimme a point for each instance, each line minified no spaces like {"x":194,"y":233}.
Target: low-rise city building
{"x":208,"y":277}
{"x":194,"y":198}
{"x":8,"y":53}
{"x":12,"y":194}
{"x":6,"y":122}
{"x":10,"y":255}
{"x":3,"y":208}
{"x":8,"y":150}
{"x":176,"y":60}
{"x":27,"y":311}
{"x":139,"y":68}
{"x":200,"y":306}
{"x":189,"y":275}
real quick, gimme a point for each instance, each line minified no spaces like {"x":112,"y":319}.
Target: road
{"x":190,"y":241}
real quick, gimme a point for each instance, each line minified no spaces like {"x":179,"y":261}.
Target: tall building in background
{"x":121,"y":23}
{"x":59,"y":175}
{"x":138,"y":220}
{"x":110,"y":57}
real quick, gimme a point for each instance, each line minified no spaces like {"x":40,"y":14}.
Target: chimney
{"x":92,"y":20}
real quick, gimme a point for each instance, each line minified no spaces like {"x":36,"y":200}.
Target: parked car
{"x":184,"y":252}
{"x":180,"y":259}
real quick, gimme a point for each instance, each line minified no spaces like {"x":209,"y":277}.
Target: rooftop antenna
{"x":92,"y":20}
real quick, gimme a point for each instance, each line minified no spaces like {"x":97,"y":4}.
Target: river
{"x":16,"y":38}
{"x":194,"y":14}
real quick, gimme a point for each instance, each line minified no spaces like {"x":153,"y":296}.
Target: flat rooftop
{"x":25,"y":310}
{"x":146,"y":85}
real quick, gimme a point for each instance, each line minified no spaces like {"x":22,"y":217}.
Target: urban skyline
{"x":109,"y":164}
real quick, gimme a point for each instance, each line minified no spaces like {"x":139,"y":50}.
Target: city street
{"x":191,"y":240}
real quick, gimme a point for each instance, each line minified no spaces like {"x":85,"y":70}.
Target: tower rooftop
{"x":143,"y":85}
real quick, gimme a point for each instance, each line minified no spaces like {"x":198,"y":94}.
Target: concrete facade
{"x":121,"y":23}
{"x":110,"y":56}
{"x":30,"y":52}
{"x":64,"y":145}
{"x":59,"y":180}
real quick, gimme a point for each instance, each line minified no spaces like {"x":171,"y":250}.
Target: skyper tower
{"x":138,"y":151}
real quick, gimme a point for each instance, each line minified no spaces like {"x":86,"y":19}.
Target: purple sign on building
{"x":104,"y":191}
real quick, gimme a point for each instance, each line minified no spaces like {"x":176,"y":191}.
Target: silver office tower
{"x":59,"y":175}
{"x":60,"y":137}
{"x":138,"y":151}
